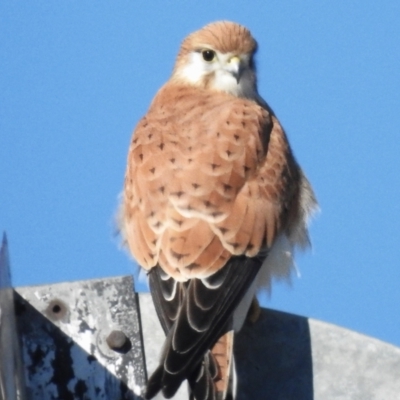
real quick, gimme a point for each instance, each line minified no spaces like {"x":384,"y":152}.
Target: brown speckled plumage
{"x":211,"y":188}
{"x":201,"y":185}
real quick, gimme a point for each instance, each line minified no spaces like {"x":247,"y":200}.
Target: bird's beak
{"x":234,"y":67}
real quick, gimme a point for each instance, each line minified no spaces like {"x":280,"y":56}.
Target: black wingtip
{"x":171,"y":388}
{"x":154,"y":384}
{"x":161,"y":380}
{"x":202,"y":384}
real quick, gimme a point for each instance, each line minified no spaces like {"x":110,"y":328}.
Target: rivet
{"x":118,"y":341}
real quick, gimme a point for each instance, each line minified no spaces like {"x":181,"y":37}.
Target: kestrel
{"x":214,"y":204}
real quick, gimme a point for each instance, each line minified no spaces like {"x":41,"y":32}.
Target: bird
{"x":213,"y":206}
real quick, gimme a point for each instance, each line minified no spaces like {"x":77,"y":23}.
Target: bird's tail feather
{"x":214,"y":380}
{"x":201,"y":384}
{"x":223,"y":354}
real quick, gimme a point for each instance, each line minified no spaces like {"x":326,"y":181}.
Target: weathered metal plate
{"x":64,"y":329}
{"x":11,"y":376}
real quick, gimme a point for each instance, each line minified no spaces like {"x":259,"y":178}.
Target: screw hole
{"x":56,"y":308}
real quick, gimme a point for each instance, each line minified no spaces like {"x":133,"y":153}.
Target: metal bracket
{"x":81,"y":340}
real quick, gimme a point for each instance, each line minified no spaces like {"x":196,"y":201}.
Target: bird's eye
{"x":208,"y":55}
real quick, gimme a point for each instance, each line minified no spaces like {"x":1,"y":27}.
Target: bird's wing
{"x":203,"y":315}
{"x":215,"y":373}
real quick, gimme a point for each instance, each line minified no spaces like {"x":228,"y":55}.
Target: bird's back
{"x":208,"y":176}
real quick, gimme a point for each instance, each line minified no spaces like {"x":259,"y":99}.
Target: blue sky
{"x":75,"y":77}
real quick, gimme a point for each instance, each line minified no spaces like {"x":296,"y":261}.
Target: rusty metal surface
{"x":11,"y":377}
{"x":66,"y":331}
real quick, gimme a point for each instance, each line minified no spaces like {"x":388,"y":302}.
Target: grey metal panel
{"x":348,"y":365}
{"x":68,"y":331}
{"x":11,"y":377}
{"x":274,"y":359}
{"x":289,"y":357}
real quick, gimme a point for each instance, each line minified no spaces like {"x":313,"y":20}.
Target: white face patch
{"x":196,"y":69}
{"x":222,"y":71}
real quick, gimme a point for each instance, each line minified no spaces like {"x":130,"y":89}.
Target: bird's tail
{"x":223,"y":355}
{"x":215,"y":378}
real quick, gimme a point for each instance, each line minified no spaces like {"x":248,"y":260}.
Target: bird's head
{"x":219,"y":56}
